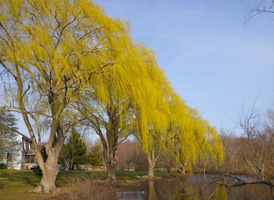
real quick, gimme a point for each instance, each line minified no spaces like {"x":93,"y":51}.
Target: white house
{"x":23,"y":157}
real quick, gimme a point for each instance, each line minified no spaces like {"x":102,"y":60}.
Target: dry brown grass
{"x":87,"y":189}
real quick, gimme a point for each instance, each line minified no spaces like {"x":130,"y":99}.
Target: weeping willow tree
{"x":156,"y":137}
{"x":49,"y":51}
{"x":183,"y":131}
{"x":196,"y":139}
{"x":179,"y":122}
{"x":52,"y":52}
{"x":172,"y":111}
{"x":112,"y":122}
{"x":112,"y":112}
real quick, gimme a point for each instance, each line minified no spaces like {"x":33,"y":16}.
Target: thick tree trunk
{"x":110,"y":145}
{"x":151,"y":159}
{"x":150,"y":174}
{"x":47,"y":184}
{"x":111,"y":167}
{"x":49,"y":174}
{"x":110,"y":161}
{"x":182,"y":168}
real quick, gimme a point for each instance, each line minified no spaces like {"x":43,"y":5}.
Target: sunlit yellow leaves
{"x":68,"y":46}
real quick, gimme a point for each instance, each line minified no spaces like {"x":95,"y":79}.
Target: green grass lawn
{"x":15,"y":184}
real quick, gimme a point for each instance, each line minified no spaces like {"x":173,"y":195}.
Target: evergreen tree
{"x":95,"y":156}
{"x":74,"y":152}
{"x":8,"y":143}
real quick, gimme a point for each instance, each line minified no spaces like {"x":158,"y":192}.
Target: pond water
{"x":178,"y":188}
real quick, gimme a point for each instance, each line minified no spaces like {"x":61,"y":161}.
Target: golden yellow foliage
{"x":62,"y":47}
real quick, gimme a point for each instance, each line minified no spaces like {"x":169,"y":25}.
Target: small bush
{"x":3,"y":166}
{"x":36,"y":169}
{"x":86,"y":189}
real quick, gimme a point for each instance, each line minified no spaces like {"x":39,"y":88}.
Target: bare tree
{"x":258,"y":129}
{"x":258,"y":7}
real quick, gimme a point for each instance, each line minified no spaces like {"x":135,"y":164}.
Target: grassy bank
{"x":15,"y":185}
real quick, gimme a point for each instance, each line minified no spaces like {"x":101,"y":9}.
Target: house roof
{"x":22,"y":135}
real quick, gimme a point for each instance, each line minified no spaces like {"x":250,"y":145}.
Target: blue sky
{"x":214,"y":60}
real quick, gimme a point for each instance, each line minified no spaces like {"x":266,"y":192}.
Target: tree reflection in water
{"x":151,"y":190}
{"x":186,"y":188}
{"x":192,"y":188}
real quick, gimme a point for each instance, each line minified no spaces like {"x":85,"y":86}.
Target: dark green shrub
{"x":3,"y":166}
{"x":36,"y":168}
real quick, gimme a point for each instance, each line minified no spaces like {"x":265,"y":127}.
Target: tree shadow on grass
{"x":31,"y":182}
{"x":23,"y":179}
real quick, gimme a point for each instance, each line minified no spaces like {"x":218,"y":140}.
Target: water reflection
{"x":151,"y":190}
{"x":181,"y":188}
